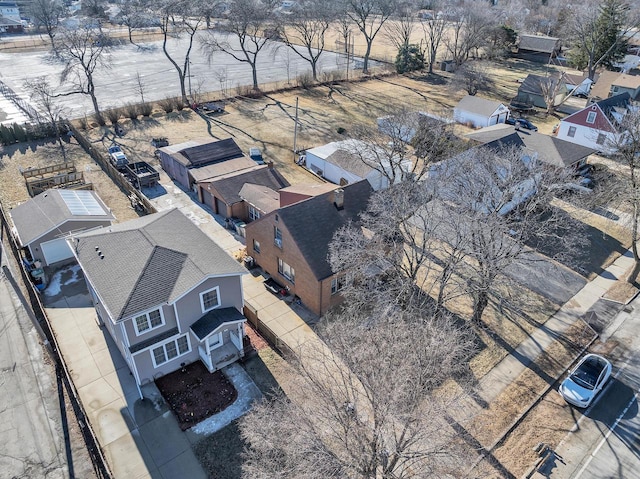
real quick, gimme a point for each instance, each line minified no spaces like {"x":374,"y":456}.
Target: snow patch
{"x":55,"y":285}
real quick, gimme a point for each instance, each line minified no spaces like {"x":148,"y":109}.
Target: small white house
{"x":349,"y":161}
{"x":480,"y":112}
{"x":10,"y":10}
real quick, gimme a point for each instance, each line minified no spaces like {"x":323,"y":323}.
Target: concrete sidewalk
{"x":507,"y":370}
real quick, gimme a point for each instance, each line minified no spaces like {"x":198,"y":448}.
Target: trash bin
{"x":249,"y":262}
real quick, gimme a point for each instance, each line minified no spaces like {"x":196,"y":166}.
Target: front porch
{"x":220,"y":335}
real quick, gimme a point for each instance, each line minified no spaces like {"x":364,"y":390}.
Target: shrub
{"x":131,"y":111}
{"x":113,"y":115}
{"x":19,"y":133}
{"x":305,"y":80}
{"x":167,"y":105}
{"x":84,"y":123}
{"x":179,"y":104}
{"x":146,"y":109}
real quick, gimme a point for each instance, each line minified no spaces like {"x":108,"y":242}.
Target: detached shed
{"x":538,"y":48}
{"x":480,"y":112}
{"x":42,"y":223}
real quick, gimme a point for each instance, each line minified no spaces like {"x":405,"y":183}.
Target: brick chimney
{"x":338,"y":198}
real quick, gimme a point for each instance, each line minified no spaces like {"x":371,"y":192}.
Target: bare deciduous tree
{"x":247,"y":22}
{"x":82,"y":54}
{"x":399,"y":29}
{"x":306,"y":27}
{"x":626,"y":189}
{"x":42,"y":93}
{"x":47,"y":14}
{"x":502,"y":197}
{"x":473,"y":77}
{"x":369,"y":16}
{"x":367,"y":405}
{"x":180,"y":18}
{"x":469,"y":27}
{"x":433,"y":32}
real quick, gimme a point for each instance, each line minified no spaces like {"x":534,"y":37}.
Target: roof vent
{"x":101,"y":256}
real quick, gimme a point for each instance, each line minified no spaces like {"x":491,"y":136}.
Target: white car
{"x":586,"y":380}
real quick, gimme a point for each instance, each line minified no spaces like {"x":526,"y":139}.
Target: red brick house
{"x":292,"y":243}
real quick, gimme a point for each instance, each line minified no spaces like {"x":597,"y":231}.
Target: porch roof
{"x":211,"y":321}
{"x":153,"y":340}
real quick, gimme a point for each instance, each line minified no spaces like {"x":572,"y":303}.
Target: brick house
{"x":292,"y":243}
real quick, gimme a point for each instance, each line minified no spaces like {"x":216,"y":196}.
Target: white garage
{"x":55,"y":250}
{"x":43,"y":223}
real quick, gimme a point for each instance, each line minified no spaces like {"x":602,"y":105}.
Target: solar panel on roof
{"x":212,"y":152}
{"x":82,"y":203}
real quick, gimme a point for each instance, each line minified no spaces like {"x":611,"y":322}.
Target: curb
{"x":488,"y":451}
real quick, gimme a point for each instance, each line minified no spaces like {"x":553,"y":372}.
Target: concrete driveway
{"x":139,"y":438}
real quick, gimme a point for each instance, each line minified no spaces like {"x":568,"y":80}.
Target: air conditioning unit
{"x":278,"y":242}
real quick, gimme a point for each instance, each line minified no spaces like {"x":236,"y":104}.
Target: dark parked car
{"x":521,"y":123}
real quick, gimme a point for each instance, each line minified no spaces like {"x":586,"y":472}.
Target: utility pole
{"x":295,"y":135}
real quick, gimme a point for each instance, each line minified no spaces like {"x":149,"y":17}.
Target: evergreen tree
{"x":410,"y":58}
{"x":600,"y":40}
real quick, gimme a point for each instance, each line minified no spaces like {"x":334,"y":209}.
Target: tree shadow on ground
{"x":22,"y":148}
{"x":220,"y":454}
{"x":582,"y":248}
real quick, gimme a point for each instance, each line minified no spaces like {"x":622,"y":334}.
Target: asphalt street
{"x":30,"y":428}
{"x":117,"y":79}
{"x":605,"y":442}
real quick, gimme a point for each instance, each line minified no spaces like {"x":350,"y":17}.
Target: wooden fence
{"x":117,"y":177}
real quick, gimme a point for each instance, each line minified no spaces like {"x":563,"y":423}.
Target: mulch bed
{"x":194,"y":394}
{"x":256,"y":341}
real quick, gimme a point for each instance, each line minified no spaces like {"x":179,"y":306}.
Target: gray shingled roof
{"x":302,"y":221}
{"x":214,"y":319}
{"x":532,"y":84}
{"x":48,"y":211}
{"x":538,"y":43}
{"x":229,"y":186}
{"x":550,"y":149}
{"x":262,"y":197}
{"x":149,"y":261}
{"x":478,"y":105}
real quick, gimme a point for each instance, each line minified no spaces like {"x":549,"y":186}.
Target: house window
{"x":210,"y":299}
{"x":170,"y":350}
{"x":287,"y":271}
{"x":337,"y":284}
{"x":591,"y":117}
{"x":254,"y":214}
{"x":256,"y":246}
{"x":277,"y":237}
{"x":572,"y":132}
{"x":148,"y":321}
{"x":601,"y":139}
